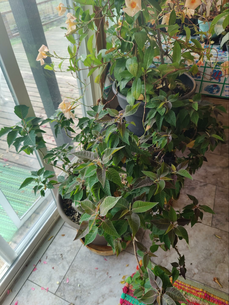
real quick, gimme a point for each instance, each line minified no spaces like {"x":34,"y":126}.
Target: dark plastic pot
{"x":99,"y":240}
{"x":138,"y":129}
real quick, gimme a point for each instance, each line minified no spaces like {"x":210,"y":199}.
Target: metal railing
{"x":48,"y":14}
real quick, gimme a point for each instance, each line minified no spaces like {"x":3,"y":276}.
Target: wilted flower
{"x":165,"y":19}
{"x":193,"y":4}
{"x":61,"y":9}
{"x":66,"y":108}
{"x":71,"y":23}
{"x":42,"y":54}
{"x":200,"y":63}
{"x":132,"y":7}
{"x":190,"y":12}
{"x":225,"y":68}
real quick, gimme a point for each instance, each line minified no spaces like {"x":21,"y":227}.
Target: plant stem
{"x":160,"y":44}
{"x":135,"y":253}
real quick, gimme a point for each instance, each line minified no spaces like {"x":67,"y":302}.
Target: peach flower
{"x":42,"y":54}
{"x":71,"y":23}
{"x":193,"y":4}
{"x":61,"y":9}
{"x":132,"y":7}
{"x":66,"y":108}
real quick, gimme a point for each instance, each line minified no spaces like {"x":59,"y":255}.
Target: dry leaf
{"x":124,"y":276}
{"x":217,"y":236}
{"x":191,"y":144}
{"x":63,"y":235}
{"x":50,"y":238}
{"x":127,"y":265}
{"x":215,"y":279}
{"x":122,"y":282}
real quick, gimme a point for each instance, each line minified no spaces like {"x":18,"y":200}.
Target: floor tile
{"x":35,"y":295}
{"x":94,"y":279}
{"x":221,"y":217}
{"x":215,"y":171}
{"x":205,"y":194}
{"x":56,"y":260}
{"x":206,"y":255}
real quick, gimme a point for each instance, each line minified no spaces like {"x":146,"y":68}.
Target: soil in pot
{"x":70,"y":212}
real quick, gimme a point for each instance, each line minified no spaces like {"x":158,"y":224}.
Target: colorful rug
{"x":193,"y":295}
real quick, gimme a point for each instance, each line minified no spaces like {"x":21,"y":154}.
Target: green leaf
{"x":130,"y":110}
{"x":109,"y":152}
{"x":90,"y":171}
{"x":91,"y":235}
{"x":197,"y":43}
{"x":175,"y":294}
{"x":88,"y":206}
{"x":113,"y":176}
{"x":142,"y":206}
{"x":48,"y":174}
{"x":107,"y":204}
{"x":26,"y":182}
{"x":184,"y":173}
{"x":86,"y":2}
{"x":136,"y":88}
{"x":149,"y":297}
{"x":224,"y":40}
{"x":205,"y":208}
{"x":155,"y":4}
{"x":90,"y":44}
{"x":134,"y":223}
{"x":167,"y":300}
{"x":217,"y":137}
{"x":88,"y":155}
{"x":172,"y":214}
{"x":152,"y":175}
{"x":48,"y":67}
{"x":112,"y":112}
{"x":21,"y":111}
{"x":140,"y":38}
{"x":172,"y":18}
{"x":226,"y":22}
{"x":71,"y":39}
{"x":188,"y":33}
{"x":101,"y":175}
{"x":132,"y":65}
{"x":148,"y":57}
{"x":130,"y":98}
{"x":176,"y":52}
{"x":181,"y":231}
{"x":152,"y":279}
{"x":109,"y":228}
{"x":11,"y":137}
{"x":195,"y":106}
{"x":195,"y":118}
{"x":170,"y":117}
{"x":145,"y":260}
{"x":83,"y":230}
{"x":4,"y":130}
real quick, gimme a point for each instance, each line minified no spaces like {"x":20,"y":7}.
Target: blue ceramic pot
{"x":204,"y":26}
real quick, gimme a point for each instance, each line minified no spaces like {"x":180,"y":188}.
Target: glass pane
{"x":19,"y":208}
{"x":46,"y":89}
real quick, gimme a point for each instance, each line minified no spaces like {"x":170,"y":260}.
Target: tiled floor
{"x":67,"y":273}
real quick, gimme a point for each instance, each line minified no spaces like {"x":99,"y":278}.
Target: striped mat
{"x":11,"y":178}
{"x":193,"y":295}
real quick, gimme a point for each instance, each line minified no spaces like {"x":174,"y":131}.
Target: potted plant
{"x":120,"y":182}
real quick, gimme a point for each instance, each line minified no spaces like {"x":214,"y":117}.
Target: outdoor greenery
{"x":117,"y":181}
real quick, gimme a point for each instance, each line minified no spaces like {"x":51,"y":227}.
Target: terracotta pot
{"x":101,"y":250}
